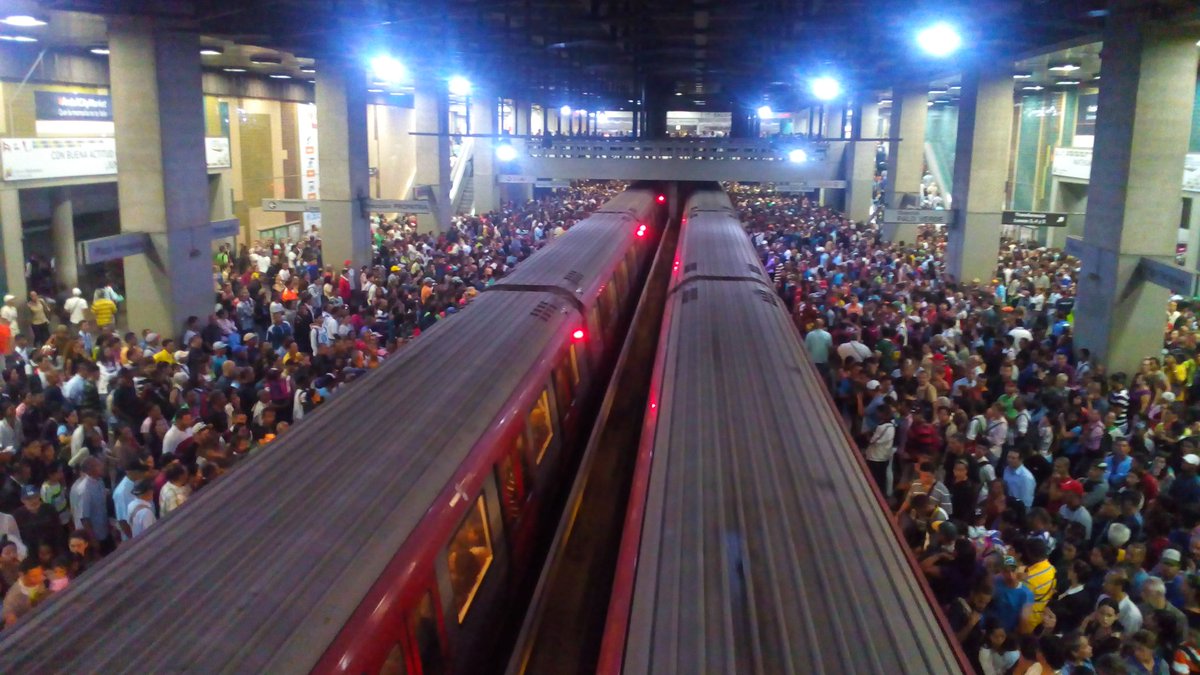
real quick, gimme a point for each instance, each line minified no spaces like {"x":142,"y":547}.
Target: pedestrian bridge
{"x":685,"y":159}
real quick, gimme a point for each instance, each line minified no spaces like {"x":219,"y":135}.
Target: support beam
{"x":62,"y":235}
{"x":13,"y":243}
{"x":162,"y":187}
{"x":860,"y":163}
{"x":343,"y":158}
{"x":906,"y":157}
{"x":1149,"y":76}
{"x":483,"y":109}
{"x":980,"y":173}
{"x":433,"y":153}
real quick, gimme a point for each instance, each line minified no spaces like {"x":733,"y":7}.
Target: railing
{"x":458,"y":172}
{"x":704,"y":149}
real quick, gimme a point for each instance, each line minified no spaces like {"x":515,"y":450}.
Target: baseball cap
{"x":29,"y":492}
{"x":1194,"y":460}
{"x":1071,"y":485}
{"x":1010,"y":562}
{"x":276,"y":307}
{"x":198,"y":427}
{"x":248,"y":337}
{"x":872,"y":385}
{"x":218,"y":345}
{"x":1172,"y":556}
{"x":142,"y":487}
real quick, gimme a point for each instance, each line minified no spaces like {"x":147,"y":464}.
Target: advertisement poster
{"x":1085,"y":118}
{"x":310,"y":173}
{"x":62,"y":106}
{"x":216,"y":153}
{"x":1073,"y":163}
{"x":44,"y":158}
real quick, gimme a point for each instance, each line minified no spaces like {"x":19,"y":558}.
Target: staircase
{"x":465,"y":200}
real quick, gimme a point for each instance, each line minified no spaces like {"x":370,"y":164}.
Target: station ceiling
{"x":708,"y":54}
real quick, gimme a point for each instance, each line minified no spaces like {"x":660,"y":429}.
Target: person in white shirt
{"x":123,"y":496}
{"x":141,"y":509}
{"x":179,"y":432}
{"x":9,"y":311}
{"x":175,"y":492}
{"x":76,"y":308}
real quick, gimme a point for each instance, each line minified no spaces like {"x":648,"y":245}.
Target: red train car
{"x":388,"y":532}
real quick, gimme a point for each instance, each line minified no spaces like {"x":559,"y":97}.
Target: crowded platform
{"x":107,"y":430}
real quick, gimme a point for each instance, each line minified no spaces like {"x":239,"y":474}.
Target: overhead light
{"x":765,"y":112}
{"x":460,"y":86}
{"x":99,"y":51}
{"x":23,"y":21}
{"x":312,"y":81}
{"x":1067,"y":83}
{"x":940,"y":40}
{"x":266,"y":60}
{"x":601,"y":116}
{"x":1065,"y":67}
{"x":565,"y":110}
{"x":928,"y":103}
{"x":17,"y":38}
{"x":1098,"y":13}
{"x":679,"y":93}
{"x":955,"y":86}
{"x":387,"y":69}
{"x":1033,"y":87}
{"x":505,"y":152}
{"x":941,"y":100}
{"x":938,"y":90}
{"x":1023,"y":75}
{"x":825,"y":88}
{"x":308,"y":69}
{"x":885,"y":101}
{"x":395,"y":93}
{"x":280,"y":76}
{"x":234,"y":70}
{"x":374,"y":91}
{"x":797,"y":155}
{"x":211,"y":51}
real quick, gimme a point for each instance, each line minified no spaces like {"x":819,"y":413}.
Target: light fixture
{"x":679,"y":93}
{"x":601,"y":116}
{"x":565,"y":110}
{"x":797,"y":155}
{"x":1067,"y":83}
{"x":938,"y":90}
{"x":308,"y":69}
{"x":18,"y":38}
{"x":825,"y":88}
{"x":765,"y":112}
{"x":387,"y":69}
{"x":460,"y":86}
{"x":939,"y":40}
{"x":505,"y":152}
{"x":1033,"y":87}
{"x":885,"y":101}
{"x":234,"y":70}
{"x":281,"y":76}
{"x":1023,"y":75}
{"x":99,"y":51}
{"x":211,"y":51}
{"x":941,"y":100}
{"x":374,"y":91}
{"x":23,"y":21}
{"x":1065,"y":67}
{"x":266,"y":60}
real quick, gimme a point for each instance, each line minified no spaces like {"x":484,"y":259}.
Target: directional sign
{"x":292,"y":205}
{"x":809,"y":185}
{"x":1165,"y":274}
{"x":114,"y":247}
{"x":918,"y":217}
{"x":397,"y":206}
{"x":1034,"y":219}
{"x":520,"y":180}
{"x":551,"y":183}
{"x":222,"y":229}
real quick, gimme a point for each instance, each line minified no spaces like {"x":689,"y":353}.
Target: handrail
{"x":459,"y":171}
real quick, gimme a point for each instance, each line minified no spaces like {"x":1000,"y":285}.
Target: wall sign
{"x":918,"y":216}
{"x":1034,"y":219}
{"x":1076,"y":163}
{"x":216,"y":153}
{"x":44,"y":158}
{"x":310,"y":177}
{"x":67,"y":106}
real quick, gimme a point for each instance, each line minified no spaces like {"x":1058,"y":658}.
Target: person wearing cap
{"x":141,"y":508}
{"x":37,"y":521}
{"x":1095,"y":486}
{"x":1012,"y":601}
{"x":76,"y":308}
{"x":1072,"y":509}
{"x":1185,"y":489}
{"x":280,"y":331}
{"x":9,"y":311}
{"x":1116,"y":587}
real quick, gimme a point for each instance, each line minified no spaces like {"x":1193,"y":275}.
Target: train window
{"x":541,"y":428}
{"x":423,"y":623}
{"x":394,"y":665}
{"x":606,"y":305}
{"x":562,"y":388}
{"x":513,"y":489}
{"x":470,"y":556}
{"x":574,"y":366}
{"x":623,"y":275}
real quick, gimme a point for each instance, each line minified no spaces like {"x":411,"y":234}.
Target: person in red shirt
{"x":5,"y":340}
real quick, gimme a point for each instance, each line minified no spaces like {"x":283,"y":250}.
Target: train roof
{"x":259,"y":572}
{"x":762,"y":548}
{"x":710,"y":248}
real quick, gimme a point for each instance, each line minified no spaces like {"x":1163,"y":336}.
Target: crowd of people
{"x":105,"y":432}
{"x":1052,"y":505}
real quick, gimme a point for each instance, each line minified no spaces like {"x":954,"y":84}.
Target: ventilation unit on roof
{"x":544,"y":310}
{"x":756,"y":269}
{"x":767,"y":297}
{"x":690,"y":267}
{"x":573,"y":277}
{"x":689,"y":294}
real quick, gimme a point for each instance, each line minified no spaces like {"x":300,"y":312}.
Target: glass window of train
{"x":604,"y":302}
{"x":562,"y":388}
{"x":618,"y":280}
{"x":512,"y":474}
{"x":541,"y":427}
{"x":574,"y":359}
{"x":469,"y":557}
{"x":423,"y":623}
{"x":394,"y":665}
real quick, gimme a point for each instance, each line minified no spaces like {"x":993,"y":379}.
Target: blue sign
{"x":60,"y":106}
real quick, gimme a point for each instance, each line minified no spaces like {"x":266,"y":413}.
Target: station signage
{"x":418,"y":206}
{"x":516,"y":180}
{"x":117,"y":246}
{"x":46,"y":158}
{"x":918,"y":216}
{"x":1034,"y":219}
{"x":551,"y":183}
{"x":56,"y":106}
{"x":223,"y":229}
{"x":292,"y":205}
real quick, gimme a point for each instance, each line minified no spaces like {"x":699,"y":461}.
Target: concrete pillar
{"x":1149,"y":75}
{"x":523,"y":110}
{"x":980,"y":173}
{"x":162,"y":187}
{"x":343,"y":158}
{"x":433,"y":153}
{"x":906,"y":157}
{"x":860,"y":162}
{"x":1193,"y":244}
{"x":13,"y":243}
{"x":62,"y":236}
{"x":483,"y":116}
{"x":834,"y":119}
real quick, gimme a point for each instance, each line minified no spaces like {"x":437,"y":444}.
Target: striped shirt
{"x":1119,"y":402}
{"x":1040,"y":577}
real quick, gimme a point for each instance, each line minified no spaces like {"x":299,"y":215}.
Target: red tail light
{"x":662,"y":199}
{"x":641,"y":231}
{"x":577,"y":335}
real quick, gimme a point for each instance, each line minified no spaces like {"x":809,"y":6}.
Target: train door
{"x":421,"y":649}
{"x":516,"y":503}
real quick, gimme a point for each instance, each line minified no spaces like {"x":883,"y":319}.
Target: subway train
{"x":388,"y":532}
{"x":754,"y":541}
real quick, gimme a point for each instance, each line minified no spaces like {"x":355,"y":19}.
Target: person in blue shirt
{"x":1011,"y":599}
{"x":1018,"y":480}
{"x":1185,"y":489}
{"x":1119,"y":463}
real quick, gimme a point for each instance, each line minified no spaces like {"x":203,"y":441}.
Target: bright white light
{"x":209,"y":51}
{"x":387,"y":69}
{"x":22,"y":21}
{"x":581,"y":112}
{"x":280,"y":76}
{"x":940,"y":39}
{"x":565,"y":110}
{"x":798,"y":156}
{"x":460,"y":86}
{"x":765,"y":112}
{"x":99,"y":51}
{"x":506,"y":152}
{"x":601,"y":116}
{"x":825,"y":88}
{"x":17,"y":38}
